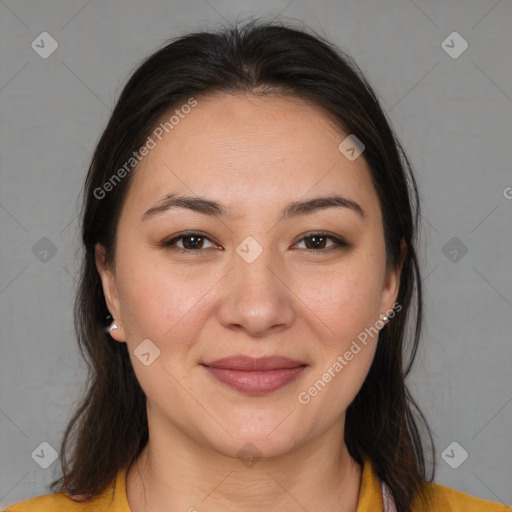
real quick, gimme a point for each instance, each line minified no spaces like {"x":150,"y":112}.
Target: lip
{"x":247,"y":363}
{"x":255,"y":376}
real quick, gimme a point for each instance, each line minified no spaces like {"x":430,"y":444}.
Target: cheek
{"x":164,"y":306}
{"x":348,"y":305}
{"x":344,"y":302}
{"x":161,"y":302}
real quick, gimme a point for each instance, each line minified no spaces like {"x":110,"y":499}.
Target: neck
{"x":175,"y":472}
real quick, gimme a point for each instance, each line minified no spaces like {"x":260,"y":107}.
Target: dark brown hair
{"x":109,"y":428}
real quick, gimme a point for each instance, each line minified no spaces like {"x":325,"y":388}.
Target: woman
{"x":249,"y":226}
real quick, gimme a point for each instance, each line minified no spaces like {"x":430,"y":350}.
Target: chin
{"x":250,"y":449}
{"x":268,"y":438}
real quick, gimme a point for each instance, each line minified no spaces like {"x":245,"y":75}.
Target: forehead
{"x":244,"y":148}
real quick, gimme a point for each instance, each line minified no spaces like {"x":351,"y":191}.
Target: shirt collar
{"x":370,"y":491}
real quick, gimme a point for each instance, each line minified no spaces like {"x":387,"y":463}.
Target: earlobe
{"x":116,"y":331}
{"x":113,"y":326}
{"x":110,"y":293}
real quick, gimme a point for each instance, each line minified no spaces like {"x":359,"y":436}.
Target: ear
{"x":392,"y":282}
{"x":108,"y":281}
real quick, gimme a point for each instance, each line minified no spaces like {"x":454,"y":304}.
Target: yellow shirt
{"x":113,"y":499}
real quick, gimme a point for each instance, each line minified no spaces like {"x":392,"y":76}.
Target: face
{"x":250,"y":276}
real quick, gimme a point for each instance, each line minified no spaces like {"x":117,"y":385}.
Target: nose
{"x":256,"y":298}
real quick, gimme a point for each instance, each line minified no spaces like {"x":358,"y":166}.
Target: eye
{"x":194,"y":241}
{"x":191,"y":241}
{"x":316,"y":242}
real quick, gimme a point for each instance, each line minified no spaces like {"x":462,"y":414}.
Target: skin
{"x":254,"y":155}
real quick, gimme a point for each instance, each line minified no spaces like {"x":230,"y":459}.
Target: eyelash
{"x":338,"y":242}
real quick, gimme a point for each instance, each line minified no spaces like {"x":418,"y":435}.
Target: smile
{"x":255,"y":376}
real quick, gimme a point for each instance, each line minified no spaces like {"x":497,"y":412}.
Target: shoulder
{"x":112,"y":498}
{"x":438,"y":498}
{"x":51,"y":503}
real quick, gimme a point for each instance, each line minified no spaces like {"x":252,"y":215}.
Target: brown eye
{"x":317,"y":242}
{"x":193,"y":242}
{"x":190,"y":242}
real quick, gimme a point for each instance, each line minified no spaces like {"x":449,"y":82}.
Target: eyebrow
{"x":216,"y":209}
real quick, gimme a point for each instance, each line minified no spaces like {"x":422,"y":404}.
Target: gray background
{"x":453,"y":116}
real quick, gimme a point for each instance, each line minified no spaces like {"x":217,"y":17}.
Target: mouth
{"x":256,"y":376}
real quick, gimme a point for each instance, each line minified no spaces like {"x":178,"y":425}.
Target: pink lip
{"x":255,"y":376}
